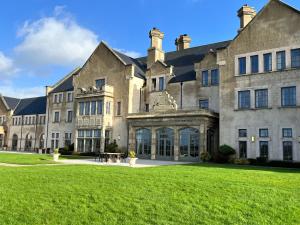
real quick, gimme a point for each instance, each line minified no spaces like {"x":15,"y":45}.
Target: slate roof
{"x":31,"y":106}
{"x":11,"y":102}
{"x":66,"y":85}
{"x":183,"y":61}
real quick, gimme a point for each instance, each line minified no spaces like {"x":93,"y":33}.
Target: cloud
{"x":132,"y":54}
{"x":56,"y":40}
{"x":27,"y":92}
{"x":7,"y":68}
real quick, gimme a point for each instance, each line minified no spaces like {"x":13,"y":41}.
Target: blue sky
{"x":43,"y":40}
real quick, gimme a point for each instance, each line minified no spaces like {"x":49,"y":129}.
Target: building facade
{"x":176,"y":105}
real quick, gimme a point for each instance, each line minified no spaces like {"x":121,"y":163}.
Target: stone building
{"x":175,"y":105}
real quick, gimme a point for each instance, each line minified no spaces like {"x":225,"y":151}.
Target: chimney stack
{"x":246,"y":14}
{"x":183,"y":42}
{"x":155,"y":51}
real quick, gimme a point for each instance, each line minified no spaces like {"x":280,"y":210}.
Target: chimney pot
{"x":183,"y":42}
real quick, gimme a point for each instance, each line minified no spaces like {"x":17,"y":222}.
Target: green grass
{"x":182,"y":194}
{"x":25,"y":159}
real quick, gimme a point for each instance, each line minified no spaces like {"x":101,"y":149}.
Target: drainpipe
{"x":181,"y":95}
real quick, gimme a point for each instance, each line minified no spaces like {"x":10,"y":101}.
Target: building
{"x":175,"y":105}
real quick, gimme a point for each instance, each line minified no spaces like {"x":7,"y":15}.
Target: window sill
{"x":267,"y":72}
{"x":289,"y":107}
{"x":253,"y":109}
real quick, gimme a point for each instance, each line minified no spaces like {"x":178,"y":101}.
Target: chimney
{"x":183,"y":42}
{"x":246,"y":14}
{"x":155,"y":51}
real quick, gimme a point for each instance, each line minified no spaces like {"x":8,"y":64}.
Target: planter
{"x":55,"y":157}
{"x":132,"y":161}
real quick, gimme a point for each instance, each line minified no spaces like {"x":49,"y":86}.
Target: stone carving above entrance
{"x":164,"y":102}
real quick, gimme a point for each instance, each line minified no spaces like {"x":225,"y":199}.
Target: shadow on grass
{"x":246,"y":167}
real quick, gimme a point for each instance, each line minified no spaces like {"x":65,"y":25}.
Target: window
{"x":295,"y":54}
{"x":288,"y":96}
{"x":56,"y":117}
{"x":189,"y":143}
{"x":147,"y":107}
{"x":244,"y":99}
{"x":280,"y":60}
{"x":118,"y":108}
{"x":261,"y":98}
{"x":29,"y":120}
{"x":87,"y":108}
{"x":107,"y":107}
{"x":55,"y":98}
{"x":100,"y":83}
{"x":287,"y":132}
{"x":81,"y":108}
{"x":242,"y":65}
{"x":264,"y":149}
{"x":70,"y":97}
{"x":42,"y":119}
{"x":143,"y":142}
{"x":60,"y":97}
{"x":254,"y":64}
{"x":153,"y":84}
{"x":242,"y":132}
{"x":268,"y":62}
{"x":161,"y":83}
{"x":54,"y":140}
{"x":263,"y":133}
{"x":205,"y":78}
{"x":287,"y":150}
{"x":243,"y":149}
{"x":93,"y":107}
{"x":69,"y":116}
{"x":99,"y":107}
{"x":68,"y":139}
{"x":203,"y":104}
{"x":215,"y":77}
{"x":164,"y":143}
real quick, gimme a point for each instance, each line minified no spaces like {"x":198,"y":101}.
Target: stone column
{"x":153,"y":143}
{"x":75,"y":141}
{"x":203,"y":136}
{"x":176,"y":144}
{"x":102,"y":139}
{"x":131,"y":139}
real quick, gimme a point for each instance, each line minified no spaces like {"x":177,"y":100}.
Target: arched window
{"x":28,"y":142}
{"x":14,"y":144}
{"x":189,"y":143}
{"x":42,"y":141}
{"x":143,"y":142}
{"x":165,"y":143}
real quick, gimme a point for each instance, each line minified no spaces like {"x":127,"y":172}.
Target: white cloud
{"x":7,"y":68}
{"x":54,"y":41}
{"x":132,"y":54}
{"x":16,"y":92}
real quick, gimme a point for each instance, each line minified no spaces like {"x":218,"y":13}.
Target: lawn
{"x":182,"y":194}
{"x":25,"y":159}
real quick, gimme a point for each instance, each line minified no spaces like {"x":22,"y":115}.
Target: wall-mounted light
{"x":253,"y":138}
{"x":119,"y":137}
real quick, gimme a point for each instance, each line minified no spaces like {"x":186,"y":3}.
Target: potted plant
{"x":56,"y":154}
{"x":132,"y":158}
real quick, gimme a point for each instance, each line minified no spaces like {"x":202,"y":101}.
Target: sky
{"x":41,"y":41}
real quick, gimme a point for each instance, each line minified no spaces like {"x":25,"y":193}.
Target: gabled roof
{"x":183,"y":61}
{"x":31,"y":106}
{"x":11,"y":103}
{"x":65,"y":84}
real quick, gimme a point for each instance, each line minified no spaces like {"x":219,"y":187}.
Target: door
{"x":243,"y":149}
{"x":165,"y":144}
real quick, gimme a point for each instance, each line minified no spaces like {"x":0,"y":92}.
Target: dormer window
{"x":100,"y":83}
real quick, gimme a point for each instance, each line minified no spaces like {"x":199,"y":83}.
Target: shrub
{"x":226,"y":150}
{"x":87,"y":153}
{"x":132,"y":154}
{"x":205,"y":156}
{"x":112,"y":147}
{"x":241,"y":161}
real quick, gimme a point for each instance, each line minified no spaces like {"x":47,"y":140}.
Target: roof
{"x":66,"y":84}
{"x":31,"y":106}
{"x":11,"y":102}
{"x":182,"y":61}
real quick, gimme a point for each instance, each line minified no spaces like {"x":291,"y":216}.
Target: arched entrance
{"x":189,"y":144}
{"x":42,"y":141}
{"x":165,"y":144}
{"x":143,"y":143}
{"x":14,"y":144}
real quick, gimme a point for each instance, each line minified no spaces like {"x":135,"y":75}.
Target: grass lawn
{"x":181,"y":194}
{"x":25,"y":159}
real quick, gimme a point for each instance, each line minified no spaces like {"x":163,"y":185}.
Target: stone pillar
{"x":203,"y":136}
{"x":153,"y":143}
{"x":75,"y":141}
{"x":131,"y":139}
{"x":102,"y":139}
{"x":176,"y":144}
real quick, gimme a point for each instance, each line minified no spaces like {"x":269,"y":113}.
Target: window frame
{"x":205,"y":78}
{"x":256,"y":57}
{"x":265,"y":101}
{"x":295,"y":59}
{"x":294,"y":97}
{"x":281,"y":61}
{"x":242,"y":65}
{"x":267,"y":64}
{"x":240,"y":106}
{"x":214,"y":77}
